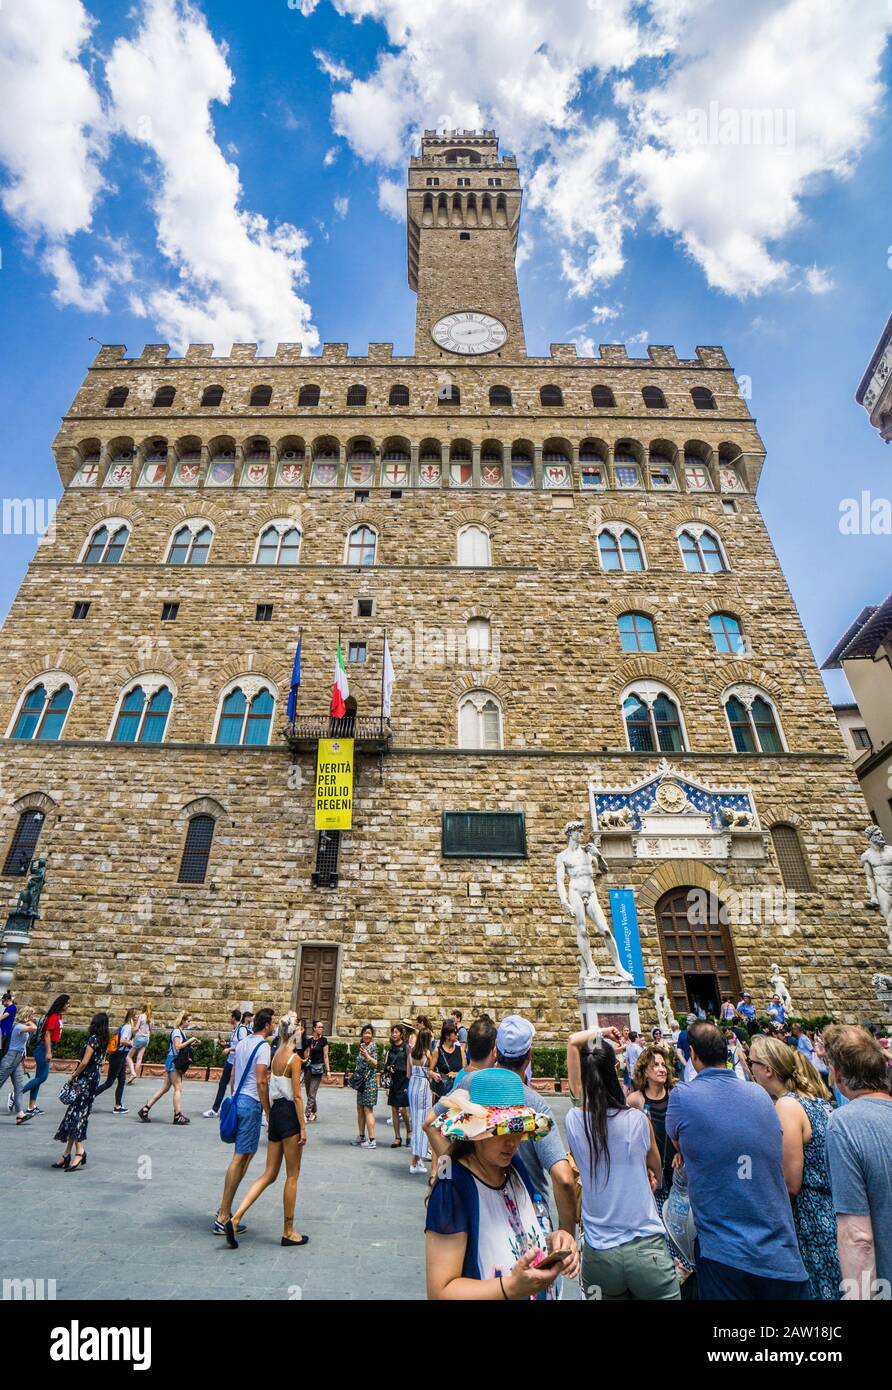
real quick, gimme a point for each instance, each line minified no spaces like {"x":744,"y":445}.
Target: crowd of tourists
{"x":727,"y":1159}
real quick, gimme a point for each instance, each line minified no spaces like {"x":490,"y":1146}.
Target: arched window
{"x":142,"y":720}
{"x":448,"y":394}
{"x":701,"y":551}
{"x":620,"y":549}
{"x":602,"y":397}
{"x":474,"y":546}
{"x":399,"y":395}
{"x":243,"y":721}
{"x":791,"y":858}
{"x":753,"y":724}
{"x":308,"y":395}
{"x":653,"y":722}
{"x":500,"y":395}
{"x":261,"y":395}
{"x":653,"y":398}
{"x":478,"y":641}
{"x":42,"y":716}
{"x":164,"y":395}
{"x":191,"y":544}
{"x":357,"y":395}
{"x":107,"y":544}
{"x":551,"y":395}
{"x":24,"y":843}
{"x":362,"y":545}
{"x":197,"y":850}
{"x":703,"y":398}
{"x":479,"y":721}
{"x":279,"y":544}
{"x":212,"y":395}
{"x":636,"y":632}
{"x":727,"y":634}
{"x":116,"y":397}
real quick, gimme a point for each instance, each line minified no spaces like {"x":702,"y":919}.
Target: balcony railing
{"x":373,"y":734}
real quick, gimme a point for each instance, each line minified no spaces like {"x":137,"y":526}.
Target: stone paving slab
{"x":136,"y":1223}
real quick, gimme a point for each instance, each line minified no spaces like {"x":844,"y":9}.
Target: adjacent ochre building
{"x":587,"y":620}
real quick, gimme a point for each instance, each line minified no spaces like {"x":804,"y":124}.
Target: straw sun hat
{"x":493,"y":1104}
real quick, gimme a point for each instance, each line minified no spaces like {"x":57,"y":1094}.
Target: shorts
{"x":250,"y":1113}
{"x":283,"y":1121}
{"x":140,"y":1042}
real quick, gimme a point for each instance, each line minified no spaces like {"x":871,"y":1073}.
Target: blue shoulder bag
{"x":228,"y":1110}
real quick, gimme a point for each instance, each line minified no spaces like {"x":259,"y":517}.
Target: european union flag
{"x":295,"y":685}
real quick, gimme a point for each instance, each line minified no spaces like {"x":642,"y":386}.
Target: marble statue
{"x":779,"y":987}
{"x":616,"y":820}
{"x":578,"y":894}
{"x":29,"y":898}
{"x":877,"y":861}
{"x":666,"y":1020}
{"x":737,"y":820}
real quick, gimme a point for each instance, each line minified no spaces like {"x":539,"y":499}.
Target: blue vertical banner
{"x":625,"y":929}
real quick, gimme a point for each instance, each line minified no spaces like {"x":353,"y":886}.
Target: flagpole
{"x":383,"y":667}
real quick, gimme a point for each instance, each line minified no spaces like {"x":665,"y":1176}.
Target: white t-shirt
{"x":621,"y":1207}
{"x":242,"y":1056}
{"x":633,"y":1052}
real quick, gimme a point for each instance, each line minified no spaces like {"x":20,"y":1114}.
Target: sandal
{"x":397,"y":1144}
{"x":144,"y":1114}
{"x":63,"y":1162}
{"x":180,"y":1118}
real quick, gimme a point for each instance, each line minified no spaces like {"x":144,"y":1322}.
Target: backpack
{"x":183,"y":1059}
{"x":113,"y":1043}
{"x":35,"y":1038}
{"x":229,"y":1108}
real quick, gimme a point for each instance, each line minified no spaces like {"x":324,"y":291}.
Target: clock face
{"x":469,"y":333}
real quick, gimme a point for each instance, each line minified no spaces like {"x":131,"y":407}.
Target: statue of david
{"x":877,"y":862}
{"x":576,"y":868}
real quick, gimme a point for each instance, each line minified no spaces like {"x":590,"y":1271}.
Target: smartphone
{"x":555,"y":1257}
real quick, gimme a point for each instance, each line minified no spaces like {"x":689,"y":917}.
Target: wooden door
{"x":317,"y":984}
{"x":694,"y":948}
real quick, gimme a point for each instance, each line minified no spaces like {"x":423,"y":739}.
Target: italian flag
{"x":340,"y":690}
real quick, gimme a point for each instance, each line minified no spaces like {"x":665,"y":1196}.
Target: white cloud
{"x":392,"y":198}
{"x":341,"y":206}
{"x":528,"y":73}
{"x":51,"y":133}
{"x":69,"y":290}
{"x":330,"y":156}
{"x":603,"y":313}
{"x":334,"y":70}
{"x":818,"y":281}
{"x":585,"y":344}
{"x":237,"y":275}
{"x":526,"y":245}
{"x":728,"y":196}
{"x":641,"y":337}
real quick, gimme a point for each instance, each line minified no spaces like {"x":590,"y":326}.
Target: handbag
{"x":72,"y":1090}
{"x":316,"y":1068}
{"x":229,"y":1108}
{"x":183,"y":1059}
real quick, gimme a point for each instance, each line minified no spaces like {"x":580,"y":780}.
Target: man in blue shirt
{"x":8,"y":1012}
{"x":776,"y":1011}
{"x":731,"y":1143}
{"x":747,"y":1009}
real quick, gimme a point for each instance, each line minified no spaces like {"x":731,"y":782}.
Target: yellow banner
{"x":334,"y":784}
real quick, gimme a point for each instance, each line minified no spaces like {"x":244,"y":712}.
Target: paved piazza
{"x":137,"y":1222}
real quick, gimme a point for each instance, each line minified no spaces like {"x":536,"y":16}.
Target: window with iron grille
{"x":164,"y":396}
{"x":212,"y":395}
{"x":169,"y":612}
{"x":261,"y":395}
{"x":308,"y":395}
{"x":328,"y":845}
{"x":357,"y":395}
{"x":264,"y":613}
{"x":81,"y":609}
{"x":197,"y":850}
{"x":116,"y":397}
{"x":790,"y":858}
{"x":399,"y":395}
{"x":24,"y":843}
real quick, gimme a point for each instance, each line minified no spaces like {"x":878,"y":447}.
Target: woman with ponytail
{"x":624,"y":1254}
{"x":802,"y":1102}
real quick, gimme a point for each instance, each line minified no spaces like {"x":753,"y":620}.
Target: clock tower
{"x":463,"y":219}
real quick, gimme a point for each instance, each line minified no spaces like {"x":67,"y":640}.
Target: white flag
{"x":388,"y":681}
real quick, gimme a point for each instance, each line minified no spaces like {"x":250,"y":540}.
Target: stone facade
{"x":413,"y":930}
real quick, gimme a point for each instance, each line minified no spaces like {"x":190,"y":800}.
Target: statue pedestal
{"x":13,"y":936}
{"x":605,"y":1003}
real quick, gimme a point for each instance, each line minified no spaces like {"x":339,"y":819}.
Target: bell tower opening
{"x":463,"y":220}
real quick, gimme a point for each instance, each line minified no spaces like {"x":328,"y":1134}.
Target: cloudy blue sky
{"x":225,"y":172}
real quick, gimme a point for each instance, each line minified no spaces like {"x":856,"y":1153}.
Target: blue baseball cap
{"x":515,"y":1036}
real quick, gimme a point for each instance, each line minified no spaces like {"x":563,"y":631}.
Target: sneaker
{"x":211,"y":1114}
{"x":358,"y":1143}
{"x":220,"y":1229}
{"x":370,"y":1144}
{"x":36,"y":1110}
{"x":418,"y":1168}
{"x":10,"y":1103}
{"x":120,"y":1110}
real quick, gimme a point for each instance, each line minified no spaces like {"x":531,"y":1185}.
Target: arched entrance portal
{"x":698,"y":954}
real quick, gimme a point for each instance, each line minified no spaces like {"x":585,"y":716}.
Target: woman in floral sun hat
{"x":488,"y":1230}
